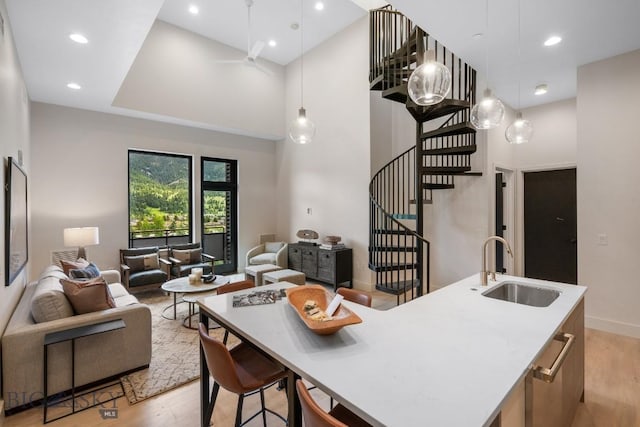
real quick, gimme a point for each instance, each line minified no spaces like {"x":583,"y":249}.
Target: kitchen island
{"x":451,"y":358}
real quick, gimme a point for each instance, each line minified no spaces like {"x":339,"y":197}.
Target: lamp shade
{"x":81,"y":236}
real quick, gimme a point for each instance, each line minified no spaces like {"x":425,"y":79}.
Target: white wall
{"x":554,"y":141}
{"x":608,"y":198}
{"x":176,"y":74}
{"x":79,"y":177}
{"x":14,"y":136}
{"x":330,"y":175}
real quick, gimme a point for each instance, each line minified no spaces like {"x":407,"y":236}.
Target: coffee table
{"x":181,"y":285}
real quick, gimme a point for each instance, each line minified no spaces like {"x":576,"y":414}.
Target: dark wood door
{"x":500,"y":227}
{"x":550,"y":225}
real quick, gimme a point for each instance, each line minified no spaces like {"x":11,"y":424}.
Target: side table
{"x":72,"y":335}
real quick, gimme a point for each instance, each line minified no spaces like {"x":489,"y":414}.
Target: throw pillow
{"x":142,"y":262}
{"x":89,"y":272}
{"x":188,"y":256}
{"x":70,"y":265}
{"x":88,"y":296}
{"x":273,"y":246}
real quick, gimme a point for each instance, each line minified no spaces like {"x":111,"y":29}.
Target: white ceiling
{"x":592,"y":30}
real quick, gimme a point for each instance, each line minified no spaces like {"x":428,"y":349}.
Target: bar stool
{"x":241,"y":370}
{"x":355,"y":296}
{"x":314,"y":416}
{"x":232,"y":287}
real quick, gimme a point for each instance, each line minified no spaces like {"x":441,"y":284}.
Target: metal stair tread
{"x":430,"y":186}
{"x":425,"y":113}
{"x":392,"y":266}
{"x":451,"y":151}
{"x":393,"y":231}
{"x":445,"y":170}
{"x":397,"y":288}
{"x":458,"y":129}
{"x":393,"y":249}
{"x":404,"y":216}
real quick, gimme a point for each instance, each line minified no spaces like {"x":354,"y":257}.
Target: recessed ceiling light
{"x":78,"y":38}
{"x":319,"y":5}
{"x":193,"y":9}
{"x":553,"y":40}
{"x":541,"y":89}
{"x":273,"y":43}
{"x":74,"y":86}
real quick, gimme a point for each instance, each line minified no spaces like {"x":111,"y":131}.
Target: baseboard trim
{"x":613,"y":326}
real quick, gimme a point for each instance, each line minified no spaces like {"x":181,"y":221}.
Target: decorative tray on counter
{"x":299,"y":295}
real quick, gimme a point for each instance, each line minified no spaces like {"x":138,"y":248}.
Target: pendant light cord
{"x":486,"y":44}
{"x":301,"y":54}
{"x":519,"y":55}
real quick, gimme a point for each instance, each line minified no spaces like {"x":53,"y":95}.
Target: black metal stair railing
{"x":397,"y":254}
{"x":398,"y":250}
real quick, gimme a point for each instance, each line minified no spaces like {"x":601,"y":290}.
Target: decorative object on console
{"x":307,"y":235}
{"x":332,"y":242}
{"x":81,"y":237}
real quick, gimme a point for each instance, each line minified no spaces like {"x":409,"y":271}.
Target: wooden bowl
{"x":342,"y":317}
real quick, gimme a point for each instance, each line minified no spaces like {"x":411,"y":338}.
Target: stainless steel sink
{"x":523,"y":294}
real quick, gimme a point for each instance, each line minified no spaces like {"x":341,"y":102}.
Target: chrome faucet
{"x":485,"y":271}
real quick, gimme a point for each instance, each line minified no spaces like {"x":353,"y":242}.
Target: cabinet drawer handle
{"x":549,"y":374}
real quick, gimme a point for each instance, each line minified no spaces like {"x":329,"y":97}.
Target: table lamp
{"x":81,"y":237}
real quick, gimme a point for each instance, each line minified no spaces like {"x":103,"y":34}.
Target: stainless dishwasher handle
{"x":549,"y":374}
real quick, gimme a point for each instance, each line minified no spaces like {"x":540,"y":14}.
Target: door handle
{"x":573,"y":240}
{"x":559,"y":219}
{"x":549,"y":374}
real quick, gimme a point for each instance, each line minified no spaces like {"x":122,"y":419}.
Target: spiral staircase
{"x":445,"y":140}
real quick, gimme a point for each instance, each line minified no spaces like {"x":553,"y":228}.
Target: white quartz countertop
{"x":450,"y":358}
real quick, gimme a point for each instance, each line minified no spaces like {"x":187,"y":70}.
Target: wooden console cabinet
{"x":324,"y":265}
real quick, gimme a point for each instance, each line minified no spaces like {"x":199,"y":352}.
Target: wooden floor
{"x":612,"y":394}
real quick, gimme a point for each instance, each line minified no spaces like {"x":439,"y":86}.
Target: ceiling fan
{"x":252,"y":50}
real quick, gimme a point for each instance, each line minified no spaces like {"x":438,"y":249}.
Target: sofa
{"x":98,"y":357}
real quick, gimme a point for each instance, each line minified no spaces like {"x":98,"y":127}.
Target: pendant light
{"x":489,"y":111}
{"x":520,"y":131}
{"x":302,"y":130}
{"x":430,"y":82}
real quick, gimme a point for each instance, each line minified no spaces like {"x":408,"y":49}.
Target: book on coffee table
{"x":258,"y":298}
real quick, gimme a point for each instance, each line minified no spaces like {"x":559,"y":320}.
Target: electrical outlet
{"x":603,"y":240}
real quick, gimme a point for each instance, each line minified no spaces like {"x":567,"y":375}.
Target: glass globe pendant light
{"x":302,"y":130}
{"x":520,"y":131}
{"x":430,"y":82}
{"x":488,"y":113}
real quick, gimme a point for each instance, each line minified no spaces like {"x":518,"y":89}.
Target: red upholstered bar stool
{"x":232,"y":287}
{"x":241,"y":370}
{"x":355,"y":296}
{"x":315,"y":416}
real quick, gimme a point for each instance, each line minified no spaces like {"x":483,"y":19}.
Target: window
{"x":219,"y":212}
{"x":160,"y":200}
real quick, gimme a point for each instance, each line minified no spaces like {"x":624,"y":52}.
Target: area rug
{"x":175,"y":356}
